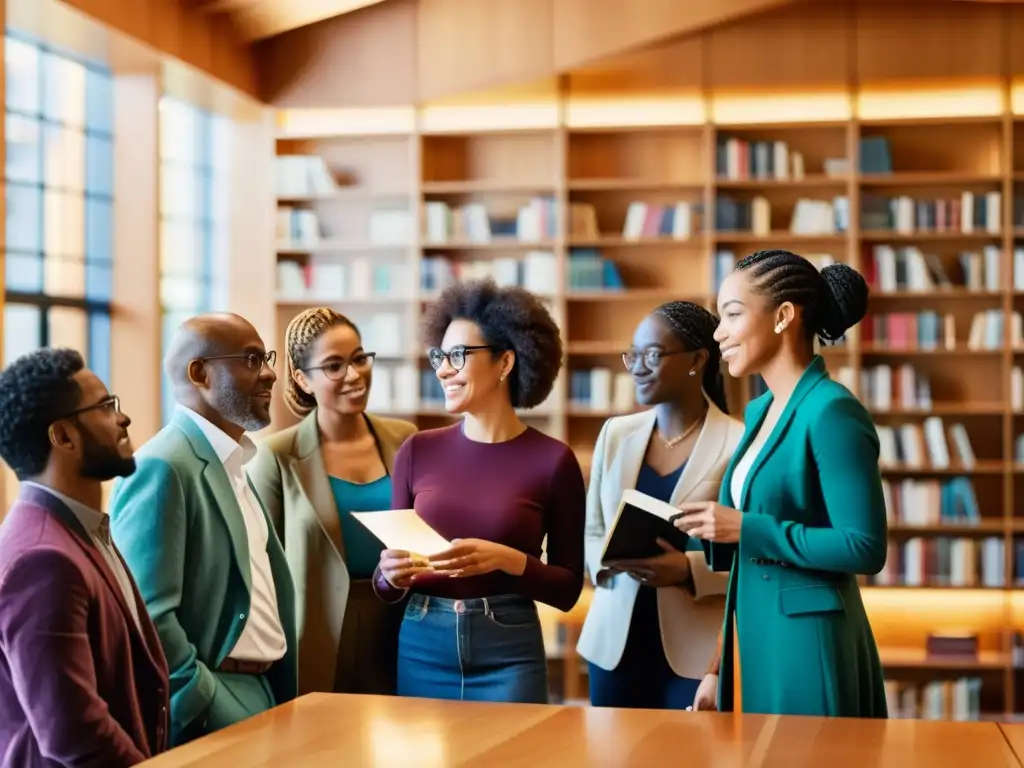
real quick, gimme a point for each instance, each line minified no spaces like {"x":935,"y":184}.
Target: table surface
{"x":332,"y":730}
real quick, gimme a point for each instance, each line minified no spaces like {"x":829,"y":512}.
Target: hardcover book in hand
{"x":640,"y":522}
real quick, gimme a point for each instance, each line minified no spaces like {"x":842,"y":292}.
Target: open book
{"x":640,"y":521}
{"x":404,"y":529}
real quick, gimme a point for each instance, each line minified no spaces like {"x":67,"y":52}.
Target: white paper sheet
{"x":403,"y":529}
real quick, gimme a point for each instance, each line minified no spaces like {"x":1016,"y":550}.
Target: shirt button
{"x":764,"y":576}
{"x":241,"y":615}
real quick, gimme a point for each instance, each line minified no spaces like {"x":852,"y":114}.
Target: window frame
{"x":98,"y":312}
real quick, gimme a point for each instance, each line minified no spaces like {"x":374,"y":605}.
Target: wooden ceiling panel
{"x":260,"y":19}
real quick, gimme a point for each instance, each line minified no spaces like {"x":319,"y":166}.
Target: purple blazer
{"x":79,"y":684}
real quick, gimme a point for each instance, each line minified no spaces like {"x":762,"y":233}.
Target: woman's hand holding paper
{"x":475,"y":557}
{"x":401,"y":568}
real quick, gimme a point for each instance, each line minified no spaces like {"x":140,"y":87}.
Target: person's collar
{"x":223,"y":444}
{"x":93,"y":520}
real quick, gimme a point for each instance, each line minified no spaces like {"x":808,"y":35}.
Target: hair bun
{"x":844,"y":303}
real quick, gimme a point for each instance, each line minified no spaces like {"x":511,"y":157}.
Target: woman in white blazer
{"x":653,"y":624}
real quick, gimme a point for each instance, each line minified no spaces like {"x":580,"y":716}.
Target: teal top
{"x":362,"y":548}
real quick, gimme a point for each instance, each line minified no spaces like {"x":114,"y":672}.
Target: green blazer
{"x":289,"y":476}
{"x":177,"y":523}
{"x":814,"y":518}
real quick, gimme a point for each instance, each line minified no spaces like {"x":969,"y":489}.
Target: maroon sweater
{"x":511,"y":493}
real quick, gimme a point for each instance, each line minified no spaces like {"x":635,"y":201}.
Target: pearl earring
{"x":502,"y":377}
{"x":693,"y":373}
{"x":779,"y":328}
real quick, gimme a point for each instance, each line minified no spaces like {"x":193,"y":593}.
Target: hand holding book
{"x":669,"y":569}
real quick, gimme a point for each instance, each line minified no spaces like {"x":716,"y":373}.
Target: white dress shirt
{"x":262,"y":638}
{"x":97,"y":525}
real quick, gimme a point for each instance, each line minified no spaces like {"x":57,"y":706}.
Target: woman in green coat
{"x":801,"y":511}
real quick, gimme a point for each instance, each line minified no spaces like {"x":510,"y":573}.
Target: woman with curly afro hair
{"x":495,"y":488}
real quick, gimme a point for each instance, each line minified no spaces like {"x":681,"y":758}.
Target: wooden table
{"x":381,"y":732}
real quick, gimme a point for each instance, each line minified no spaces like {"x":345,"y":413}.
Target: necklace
{"x":670,"y":444}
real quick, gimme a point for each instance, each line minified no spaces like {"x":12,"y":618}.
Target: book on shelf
{"x":588,"y":270}
{"x":910,"y":269}
{"x":944,"y":561}
{"x":970,"y":213}
{"x":958,"y":699}
{"x":360,"y":279}
{"x":925,"y":446}
{"x":303,"y":176}
{"x":601,"y":389}
{"x":739,"y":159}
{"x":929,"y":502}
{"x":536,"y":271}
{"x":477,"y":222}
{"x":648,"y":220}
{"x":640,"y":521}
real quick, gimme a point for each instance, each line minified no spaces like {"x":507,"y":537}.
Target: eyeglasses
{"x":111,"y":404}
{"x":651,"y":356}
{"x":456,"y":356}
{"x":336,"y":369}
{"x":253,"y":360}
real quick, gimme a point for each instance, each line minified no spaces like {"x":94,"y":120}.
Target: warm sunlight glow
{"x":903,"y":618}
{"x":312,"y":123}
{"x":488,"y":117}
{"x":811,"y":106}
{"x":634,"y":112}
{"x":1017,"y":97}
{"x":420,"y":743}
{"x":917,"y":100}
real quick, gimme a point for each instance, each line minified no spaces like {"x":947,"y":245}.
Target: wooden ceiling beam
{"x":260,"y":19}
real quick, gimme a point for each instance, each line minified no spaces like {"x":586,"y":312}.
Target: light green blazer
{"x":289,"y":476}
{"x":813,"y":504}
{"x":177,"y":523}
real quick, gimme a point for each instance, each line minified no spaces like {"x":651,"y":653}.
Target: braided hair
{"x":833,"y":300}
{"x":302,"y":333}
{"x":695,"y":327}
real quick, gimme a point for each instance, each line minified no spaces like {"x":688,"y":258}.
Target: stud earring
{"x":502,"y":377}
{"x":693,"y":373}
{"x":779,"y":328}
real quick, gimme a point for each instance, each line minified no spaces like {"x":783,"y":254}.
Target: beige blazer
{"x":289,"y":476}
{"x":689,"y":622}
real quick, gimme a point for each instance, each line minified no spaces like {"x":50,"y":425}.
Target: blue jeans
{"x":643,"y":679}
{"x":484,"y":649}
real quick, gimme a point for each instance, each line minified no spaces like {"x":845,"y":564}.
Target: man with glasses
{"x":83,"y":679}
{"x":209,"y":564}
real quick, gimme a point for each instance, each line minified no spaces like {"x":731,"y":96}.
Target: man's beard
{"x":102,"y":463}
{"x":236,"y":407}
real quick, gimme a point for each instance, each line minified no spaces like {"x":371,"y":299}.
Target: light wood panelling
{"x":805,"y":46}
{"x":464,"y":45}
{"x":366,"y":58}
{"x":586,"y":30}
{"x":136,"y":312}
{"x":208,"y":42}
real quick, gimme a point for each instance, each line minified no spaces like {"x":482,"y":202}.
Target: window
{"x":60,"y":202}
{"x":195,"y":152}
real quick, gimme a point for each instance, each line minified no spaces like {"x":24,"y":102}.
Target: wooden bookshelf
{"x":676,"y":126}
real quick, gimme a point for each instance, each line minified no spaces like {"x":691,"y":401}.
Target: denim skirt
{"x":483,"y":649}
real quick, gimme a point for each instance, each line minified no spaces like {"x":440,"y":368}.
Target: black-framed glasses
{"x":111,"y":403}
{"x":652,"y":357}
{"x":456,"y":356}
{"x":335,"y":370}
{"x":254,"y":361}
